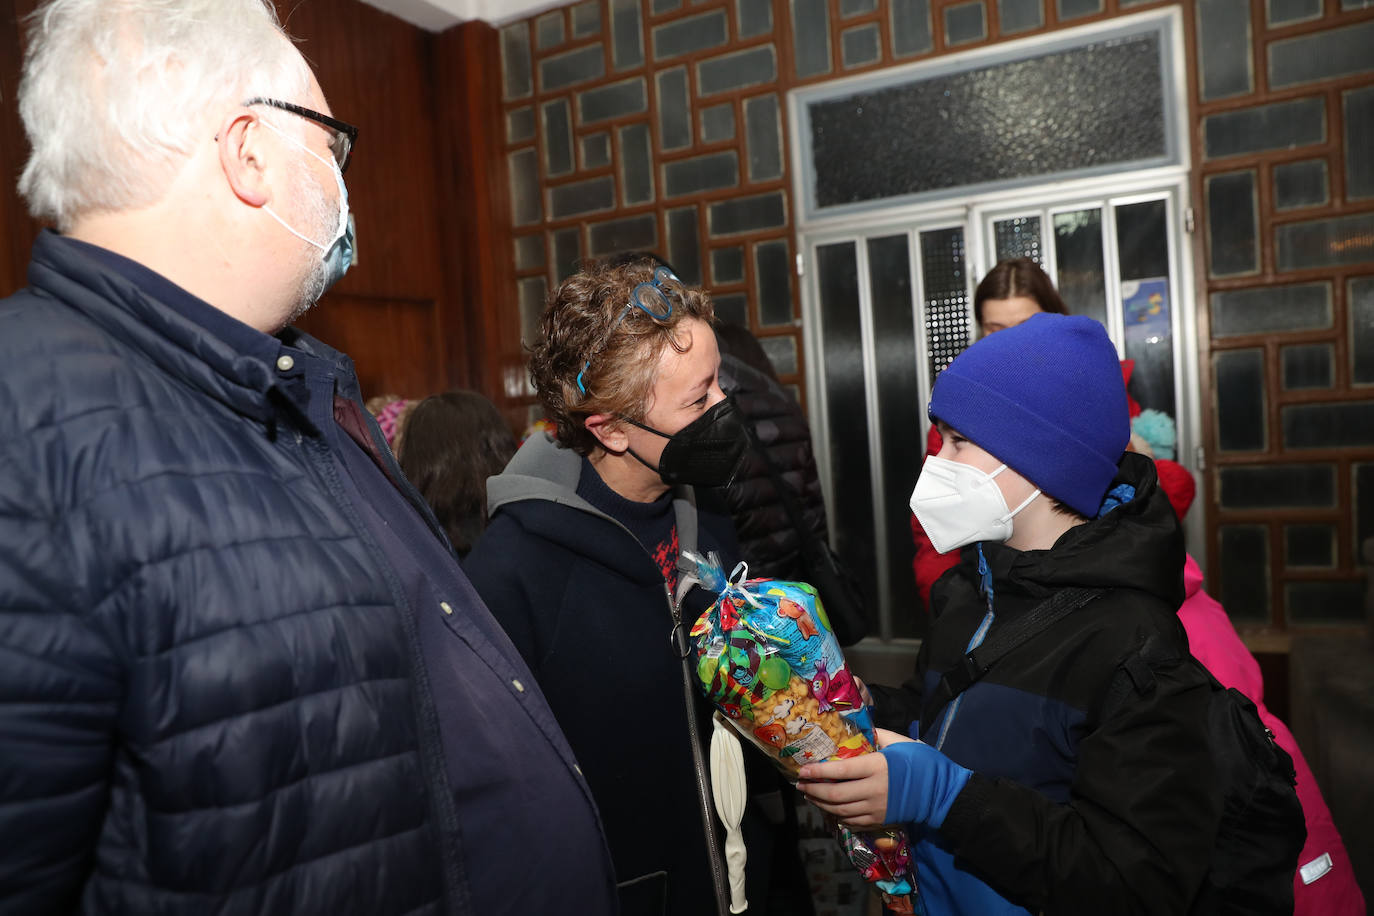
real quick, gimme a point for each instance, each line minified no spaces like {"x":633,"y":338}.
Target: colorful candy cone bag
{"x":768,"y":659}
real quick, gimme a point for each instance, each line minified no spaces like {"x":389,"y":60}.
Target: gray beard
{"x":321,"y":216}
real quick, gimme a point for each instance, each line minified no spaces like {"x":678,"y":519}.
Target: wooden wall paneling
{"x":481,"y":317}
{"x":374,"y":69}
{"x":17,"y":230}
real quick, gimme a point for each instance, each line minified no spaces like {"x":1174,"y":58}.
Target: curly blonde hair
{"x":579,"y":324}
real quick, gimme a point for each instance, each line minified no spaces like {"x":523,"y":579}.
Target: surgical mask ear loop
{"x":338,"y":179}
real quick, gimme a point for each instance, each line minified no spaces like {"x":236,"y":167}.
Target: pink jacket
{"x":1332,"y":890}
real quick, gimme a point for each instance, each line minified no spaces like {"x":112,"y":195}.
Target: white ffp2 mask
{"x":958,"y":504}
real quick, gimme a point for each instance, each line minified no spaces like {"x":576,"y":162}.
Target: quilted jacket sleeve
{"x":59,"y":694}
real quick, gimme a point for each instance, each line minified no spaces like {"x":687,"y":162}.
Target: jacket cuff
{"x":964,"y":815}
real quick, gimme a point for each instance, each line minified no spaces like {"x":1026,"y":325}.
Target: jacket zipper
{"x":704,"y":802}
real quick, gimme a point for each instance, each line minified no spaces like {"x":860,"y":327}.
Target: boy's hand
{"x":853,"y":790}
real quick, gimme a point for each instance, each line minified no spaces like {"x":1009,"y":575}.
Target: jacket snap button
{"x":518,"y":686}
{"x":445,"y":607}
{"x":285,"y":363}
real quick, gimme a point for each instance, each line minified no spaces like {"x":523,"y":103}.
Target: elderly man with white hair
{"x":241,"y":671}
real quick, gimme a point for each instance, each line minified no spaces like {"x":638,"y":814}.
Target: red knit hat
{"x":1178,"y":485}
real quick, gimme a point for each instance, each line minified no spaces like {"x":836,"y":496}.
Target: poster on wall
{"x":1145,"y":309}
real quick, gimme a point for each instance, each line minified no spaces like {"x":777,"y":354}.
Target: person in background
{"x":242,"y":672}
{"x":1032,"y":793}
{"x":391,"y":412}
{"x":776,"y":541}
{"x":579,"y":564}
{"x":1011,"y":292}
{"x":1324,"y":884}
{"x":453,"y":442}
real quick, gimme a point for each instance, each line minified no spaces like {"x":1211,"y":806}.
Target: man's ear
{"x":240,"y":156}
{"x":609,"y":431}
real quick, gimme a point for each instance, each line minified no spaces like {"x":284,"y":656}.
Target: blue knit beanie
{"x":1046,"y":398}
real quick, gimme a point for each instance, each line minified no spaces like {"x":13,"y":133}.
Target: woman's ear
{"x":240,"y":157}
{"x":609,"y":431}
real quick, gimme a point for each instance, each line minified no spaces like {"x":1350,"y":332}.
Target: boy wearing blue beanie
{"x":1029,"y":790}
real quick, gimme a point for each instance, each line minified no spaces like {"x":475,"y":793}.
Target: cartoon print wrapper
{"x":767,"y":658}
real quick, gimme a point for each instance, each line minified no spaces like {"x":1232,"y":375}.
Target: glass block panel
{"x":548,"y":30}
{"x":525,"y":207}
{"x":571,"y":67}
{"x":1359,"y":141}
{"x":755,"y":17}
{"x":911,"y":32}
{"x":531,"y":293}
{"x":1121,"y":123}
{"x":727,"y":265}
{"x":581,"y":197}
{"x":718,"y":123}
{"x":1232,"y":223}
{"x":1020,"y":15}
{"x":674,"y":110}
{"x":811,"y":37}
{"x":860,"y":46}
{"x":1348,"y":424}
{"x":1325,"y":242}
{"x":596,"y":150}
{"x":1271,"y":309}
{"x":850,"y":8}
{"x":773,"y":282}
{"x":1224,"y":42}
{"x":1245,"y":573}
{"x":614,"y":101}
{"x":586,"y":18}
{"x":1309,"y":545}
{"x":567,"y":252}
{"x":529,"y":252}
{"x":520,"y":125}
{"x":846,"y":397}
{"x":944,"y":278}
{"x":636,"y":164}
{"x":1018,"y":237}
{"x":738,"y":70}
{"x":515,"y":60}
{"x":733,"y":308}
{"x":684,"y":245}
{"x":1283,"y":12}
{"x":558,"y":141}
{"x":763,"y":137}
{"x":633,"y":233}
{"x":1073,"y":9}
{"x":1278,"y":486}
{"x":1308,"y":366}
{"x":1364,"y":503}
{"x":1322,"y":55}
{"x":1142,"y":239}
{"x":1328,"y":602}
{"x":695,"y":33}
{"x":899,"y":409}
{"x":1300,"y":184}
{"x":1282,"y":125}
{"x":1079,"y":262}
{"x":747,"y":214}
{"x":1240,"y":413}
{"x":964,"y":23}
{"x":665,"y":6}
{"x":781,"y":351}
{"x":627,"y":40}
{"x":701,"y":173}
{"x":1360,"y":302}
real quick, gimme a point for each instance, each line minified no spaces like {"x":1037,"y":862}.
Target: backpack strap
{"x":979,"y":660}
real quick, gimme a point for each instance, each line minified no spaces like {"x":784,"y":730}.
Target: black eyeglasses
{"x":343,"y":135}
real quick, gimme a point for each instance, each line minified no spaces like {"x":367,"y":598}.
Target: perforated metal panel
{"x":1019,"y":237}
{"x":944,"y":279}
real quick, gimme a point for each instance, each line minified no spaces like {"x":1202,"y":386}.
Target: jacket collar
{"x":183,"y":335}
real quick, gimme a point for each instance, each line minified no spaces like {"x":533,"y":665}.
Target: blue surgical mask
{"x":338,"y":252}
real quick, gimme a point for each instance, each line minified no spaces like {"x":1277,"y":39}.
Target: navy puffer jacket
{"x":208,"y":699}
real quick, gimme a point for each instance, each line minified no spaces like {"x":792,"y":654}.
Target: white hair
{"x":116,"y":93}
